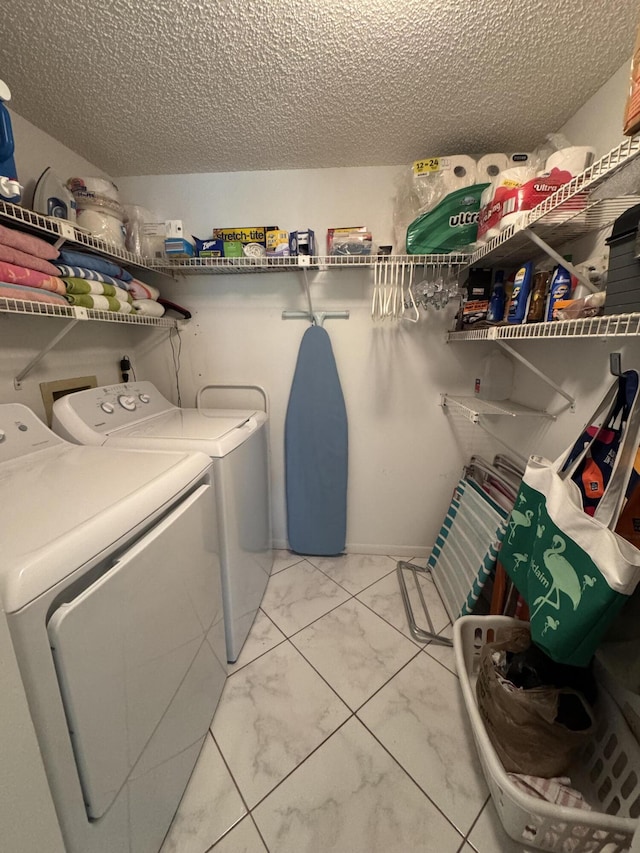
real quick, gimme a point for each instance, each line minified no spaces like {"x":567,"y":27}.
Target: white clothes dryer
{"x":118,"y":637}
{"x":137,"y":415}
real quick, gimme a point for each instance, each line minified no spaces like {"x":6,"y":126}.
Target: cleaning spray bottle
{"x":560,"y":288}
{"x":495,"y":313}
{"x":10,"y":189}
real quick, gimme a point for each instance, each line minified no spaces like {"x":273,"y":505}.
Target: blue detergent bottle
{"x":521,"y":294}
{"x":495,"y":314}
{"x":10,"y":189}
{"x":560,"y":288}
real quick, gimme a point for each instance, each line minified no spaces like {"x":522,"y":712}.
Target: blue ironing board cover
{"x":316,"y":451}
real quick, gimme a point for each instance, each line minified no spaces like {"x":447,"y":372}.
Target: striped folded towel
{"x":103,"y":303}
{"x":67,"y":271}
{"x":94,"y":262}
{"x":140,"y":290}
{"x":78,"y":286}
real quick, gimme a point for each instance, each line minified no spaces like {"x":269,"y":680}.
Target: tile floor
{"x":337,"y":732}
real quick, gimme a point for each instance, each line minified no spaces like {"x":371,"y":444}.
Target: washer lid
{"x":215,"y":432}
{"x":64,"y":505}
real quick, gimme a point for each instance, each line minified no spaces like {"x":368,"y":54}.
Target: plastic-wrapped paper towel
{"x":574,"y":159}
{"x":103,"y":224}
{"x":95,"y":186}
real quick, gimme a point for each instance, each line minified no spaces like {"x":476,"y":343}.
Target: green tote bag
{"x":572,"y":569}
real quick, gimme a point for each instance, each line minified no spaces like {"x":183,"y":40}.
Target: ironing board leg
{"x":417,"y":633}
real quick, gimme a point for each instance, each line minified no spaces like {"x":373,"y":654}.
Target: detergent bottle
{"x":560,"y":288}
{"x":10,"y":189}
{"x":497,"y":301}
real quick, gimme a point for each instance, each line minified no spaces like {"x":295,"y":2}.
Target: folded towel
{"x":27,"y":243}
{"x":104,"y":303}
{"x":15,"y":256}
{"x":148,"y":307}
{"x":67,"y":271}
{"x":94,"y":262}
{"x":29,"y":294}
{"x":79,"y":285}
{"x":140,"y":290}
{"x":15,"y":274}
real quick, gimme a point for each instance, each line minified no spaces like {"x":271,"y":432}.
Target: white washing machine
{"x":110,"y":579}
{"x":137,"y":415}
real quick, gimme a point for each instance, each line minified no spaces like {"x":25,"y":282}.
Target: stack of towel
{"x":26,"y":271}
{"x":94,"y":282}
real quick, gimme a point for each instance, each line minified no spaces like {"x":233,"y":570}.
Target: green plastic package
{"x":451,"y":225}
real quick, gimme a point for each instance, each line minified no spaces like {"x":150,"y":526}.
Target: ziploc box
{"x":235,"y":239}
{"x":178,"y":247}
{"x":209,"y":248}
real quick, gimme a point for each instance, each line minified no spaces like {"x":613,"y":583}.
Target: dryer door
{"x":123,"y":647}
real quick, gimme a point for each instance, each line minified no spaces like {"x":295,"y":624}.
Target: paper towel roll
{"x":489,"y":167}
{"x":99,"y":186}
{"x":102,"y":225}
{"x":574,"y":159}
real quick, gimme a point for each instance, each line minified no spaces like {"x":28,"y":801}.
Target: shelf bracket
{"x":571,"y":402}
{"x":557,"y":257}
{"x":81,"y":314}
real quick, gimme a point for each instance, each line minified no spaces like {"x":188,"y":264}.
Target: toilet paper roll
{"x":98,"y":186}
{"x":574,"y":159}
{"x":457,"y":172}
{"x":515,"y":176}
{"x":485,"y":201}
{"x":489,"y":167}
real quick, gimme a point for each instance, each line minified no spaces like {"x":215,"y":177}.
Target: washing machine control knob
{"x":109,"y":408}
{"x":128,"y":403}
{"x":144,"y":398}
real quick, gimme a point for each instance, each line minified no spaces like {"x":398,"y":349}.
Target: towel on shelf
{"x":140,"y":290}
{"x":15,"y":274}
{"x":27,"y":243}
{"x":79,"y":285}
{"x":29,"y":294}
{"x":148,"y":307}
{"x":102,"y":303}
{"x":67,"y":271}
{"x":23,"y":259}
{"x":93,"y":262}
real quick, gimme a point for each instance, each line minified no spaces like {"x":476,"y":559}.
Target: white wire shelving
{"x":578,"y":207}
{"x":611,"y":326}
{"x":66,"y":232}
{"x":316,"y":263}
{"x":473,"y":408}
{"x":73,"y":312}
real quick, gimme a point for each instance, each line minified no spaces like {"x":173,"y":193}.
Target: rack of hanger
{"x":316,"y":318}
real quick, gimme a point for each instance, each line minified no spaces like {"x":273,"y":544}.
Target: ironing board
{"x":462,"y":558}
{"x":316,"y":451}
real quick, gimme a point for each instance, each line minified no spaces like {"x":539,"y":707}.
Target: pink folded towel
{"x":29,"y":294}
{"x":140,"y":290}
{"x":15,"y":256}
{"x":14,"y":274}
{"x":28,"y":243}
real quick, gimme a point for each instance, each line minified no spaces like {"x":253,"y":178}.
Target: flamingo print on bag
{"x":563,"y":577}
{"x":519,"y":520}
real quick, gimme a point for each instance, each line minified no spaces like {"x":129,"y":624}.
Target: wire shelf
{"x":46,"y":309}
{"x":611,"y":326}
{"x":235,"y":266}
{"x":568,"y":213}
{"x":60,"y":229}
{"x":473,"y":408}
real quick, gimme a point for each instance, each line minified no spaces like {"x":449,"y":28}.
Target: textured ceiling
{"x":176,"y":86}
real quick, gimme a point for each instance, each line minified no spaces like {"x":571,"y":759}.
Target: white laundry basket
{"x":607,"y":774}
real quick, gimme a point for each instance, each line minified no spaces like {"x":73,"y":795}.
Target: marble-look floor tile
{"x":384,"y":598}
{"x":272,"y":714}
{"x":354,"y":572}
{"x":420,"y":717}
{"x":351,"y":797}
{"x":354,"y":650}
{"x":243,"y":838}
{"x":488,"y":834}
{"x":298,"y":595}
{"x":211,"y":805}
{"x":264,"y":635}
{"x":284,"y":559}
{"x":444,"y":654}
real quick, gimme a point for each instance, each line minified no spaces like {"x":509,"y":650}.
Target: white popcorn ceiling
{"x":177,"y":86}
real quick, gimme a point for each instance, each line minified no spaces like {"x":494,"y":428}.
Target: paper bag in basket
{"x":572,"y":569}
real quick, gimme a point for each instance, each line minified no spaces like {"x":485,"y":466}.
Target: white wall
{"x":404,"y":460}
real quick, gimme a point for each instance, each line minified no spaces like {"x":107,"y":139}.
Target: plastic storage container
{"x":607,"y":773}
{"x":623,"y":277}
